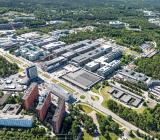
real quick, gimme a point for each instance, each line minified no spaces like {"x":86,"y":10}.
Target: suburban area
{"x":80,"y":70}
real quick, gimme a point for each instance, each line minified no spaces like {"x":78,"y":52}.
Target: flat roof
{"x":92,"y":63}
{"x":4,"y":116}
{"x":134,"y":75}
{"x":89,"y":55}
{"x":55,"y":60}
{"x":42,"y":99}
{"x":11,"y":108}
{"x":126,"y":98}
{"x":28,"y":91}
{"x":82,"y":78}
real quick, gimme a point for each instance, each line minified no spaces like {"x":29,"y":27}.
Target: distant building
{"x":117,"y":24}
{"x":53,"y":46}
{"x":44,"y":102}
{"x":58,"y":115}
{"x":11,"y":26}
{"x":30,"y":96}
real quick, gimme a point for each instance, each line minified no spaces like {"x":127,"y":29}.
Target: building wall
{"x":16,"y":122}
{"x":43,"y":110}
{"x":27,"y":103}
{"x":58,"y":122}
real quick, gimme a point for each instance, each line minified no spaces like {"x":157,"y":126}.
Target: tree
{"x":107,"y":136}
{"x":75,"y":128}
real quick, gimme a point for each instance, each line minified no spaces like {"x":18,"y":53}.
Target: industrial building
{"x":44,"y":102}
{"x":82,"y":78}
{"x":30,"y":95}
{"x":58,"y":115}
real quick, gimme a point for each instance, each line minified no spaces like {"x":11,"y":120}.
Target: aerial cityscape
{"x":80,"y":70}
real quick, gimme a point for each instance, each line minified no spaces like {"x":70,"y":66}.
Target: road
{"x":23,"y":63}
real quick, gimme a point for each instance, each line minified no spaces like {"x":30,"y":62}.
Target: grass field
{"x":140,"y":110}
{"x":94,"y":90}
{"x":112,"y":136}
{"x":54,"y":81}
{"x":67,"y":88}
{"x":82,"y":97}
{"x":87,"y":136}
{"x":106,"y":95}
{"x":85,"y":108}
{"x":95,"y":98}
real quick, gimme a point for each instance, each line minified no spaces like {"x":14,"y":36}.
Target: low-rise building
{"x":10,"y":117}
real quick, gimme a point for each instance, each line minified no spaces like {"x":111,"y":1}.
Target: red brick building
{"x":58,"y":116}
{"x":30,"y":96}
{"x":43,"y":105}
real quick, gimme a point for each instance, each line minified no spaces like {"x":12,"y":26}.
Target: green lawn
{"x":106,"y":95}
{"x":112,"y":135}
{"x":95,"y":98}
{"x":101,"y":138}
{"x":85,"y":108}
{"x":67,"y":88}
{"x":54,"y":81}
{"x":82,"y":97}
{"x":94,"y":90}
{"x":140,"y":110}
{"x":87,"y":136}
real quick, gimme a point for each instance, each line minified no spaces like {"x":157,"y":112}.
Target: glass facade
{"x":16,"y":122}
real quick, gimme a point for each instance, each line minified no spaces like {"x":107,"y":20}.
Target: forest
{"x":149,"y":66}
{"x":149,"y":120}
{"x":7,"y":68}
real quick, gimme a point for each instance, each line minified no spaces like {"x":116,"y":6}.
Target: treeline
{"x":149,"y":120}
{"x":74,"y":121}
{"x":149,"y":66}
{"x":122,"y":36}
{"x":107,"y":126}
{"x":35,"y":133}
{"x":7,"y":68}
